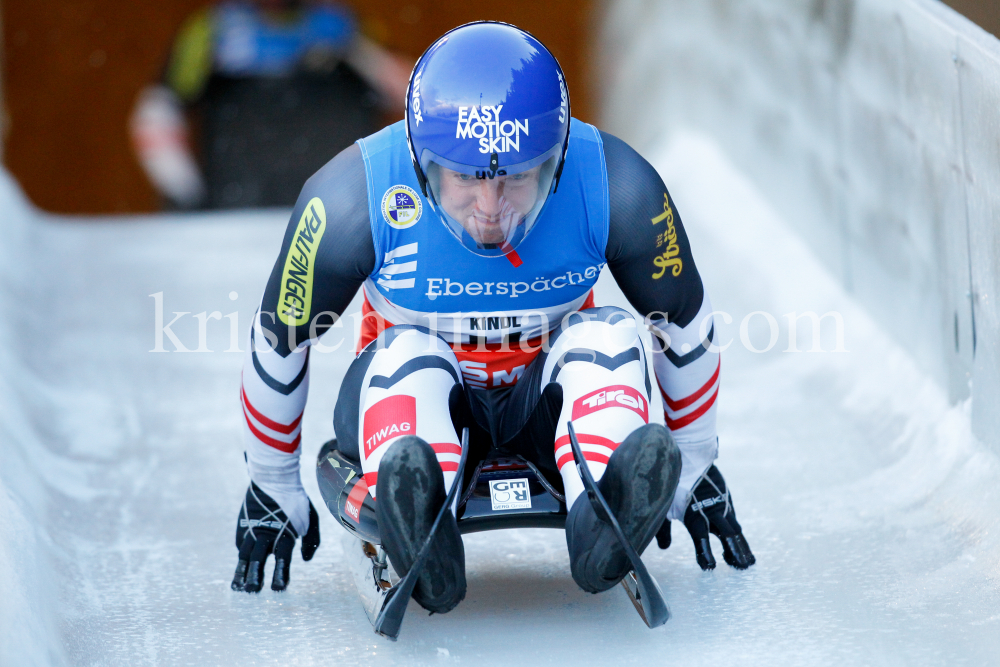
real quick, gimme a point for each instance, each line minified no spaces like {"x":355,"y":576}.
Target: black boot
{"x":409,"y":493}
{"x":639,"y":485}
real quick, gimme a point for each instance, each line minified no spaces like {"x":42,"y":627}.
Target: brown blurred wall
{"x":72,"y":69}
{"x":985,"y":13}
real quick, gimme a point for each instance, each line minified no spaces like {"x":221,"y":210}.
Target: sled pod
{"x":509,"y":492}
{"x":504,"y":491}
{"x":345,"y":492}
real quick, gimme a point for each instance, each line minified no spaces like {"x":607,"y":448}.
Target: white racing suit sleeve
{"x":275,"y":381}
{"x":686,"y":362}
{"x":273,"y":394}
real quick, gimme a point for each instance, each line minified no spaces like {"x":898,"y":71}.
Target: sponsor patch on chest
{"x":401,"y":206}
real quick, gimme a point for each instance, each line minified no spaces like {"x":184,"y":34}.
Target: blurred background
{"x":116,"y":106}
{"x":100,"y":97}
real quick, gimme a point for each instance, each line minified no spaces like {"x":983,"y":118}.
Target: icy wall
{"x":873,"y":126}
{"x":27,"y":602}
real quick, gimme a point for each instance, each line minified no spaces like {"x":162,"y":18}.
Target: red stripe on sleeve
{"x":287,"y":447}
{"x":270,"y":423}
{"x":693,"y":398}
{"x":587,"y":439}
{"x":681,"y":422}
{"x":587,"y":456}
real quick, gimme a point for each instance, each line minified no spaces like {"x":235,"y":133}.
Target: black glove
{"x":263,"y":528}
{"x":711,"y":511}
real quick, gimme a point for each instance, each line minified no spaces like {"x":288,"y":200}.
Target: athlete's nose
{"x":488,"y":201}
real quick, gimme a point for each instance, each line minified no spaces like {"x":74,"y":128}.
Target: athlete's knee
{"x":605,"y":337}
{"x":408,"y":389}
{"x":410,"y":339}
{"x":403,"y":350}
{"x":607,"y":329}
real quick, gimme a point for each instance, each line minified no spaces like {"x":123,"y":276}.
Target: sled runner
{"x":504,"y":491}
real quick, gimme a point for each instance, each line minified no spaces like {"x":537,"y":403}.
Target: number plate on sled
{"x":510,"y":494}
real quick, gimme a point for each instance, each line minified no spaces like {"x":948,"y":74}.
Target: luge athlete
{"x":477,"y":228}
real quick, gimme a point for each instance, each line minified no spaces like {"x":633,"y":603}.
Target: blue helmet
{"x":487,"y":121}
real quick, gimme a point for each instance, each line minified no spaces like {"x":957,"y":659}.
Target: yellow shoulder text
{"x":670,"y":255}
{"x":295,"y":297}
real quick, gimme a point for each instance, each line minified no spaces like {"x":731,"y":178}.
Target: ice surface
{"x":872,"y":511}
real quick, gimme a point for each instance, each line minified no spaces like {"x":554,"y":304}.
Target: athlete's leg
{"x":405,"y":383}
{"x":597,"y":360}
{"x":597,"y":364}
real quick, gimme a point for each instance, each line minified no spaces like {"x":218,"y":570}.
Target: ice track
{"x":872,"y":511}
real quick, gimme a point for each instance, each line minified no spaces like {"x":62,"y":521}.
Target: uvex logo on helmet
{"x":416,"y":98}
{"x":494,"y":135}
{"x":564,"y":102}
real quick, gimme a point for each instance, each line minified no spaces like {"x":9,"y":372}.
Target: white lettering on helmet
{"x":484,"y":125}
{"x":416,"y":99}
{"x":564,"y":101}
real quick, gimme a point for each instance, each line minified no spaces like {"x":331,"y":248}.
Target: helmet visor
{"x":490,"y":213}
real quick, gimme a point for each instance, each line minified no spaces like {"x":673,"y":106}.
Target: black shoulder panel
{"x":648,"y":250}
{"x":321,"y":266}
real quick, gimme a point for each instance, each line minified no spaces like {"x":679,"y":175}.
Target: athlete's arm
{"x":325,"y":256}
{"x":335,"y":264}
{"x":648,"y":250}
{"x":650,"y":257}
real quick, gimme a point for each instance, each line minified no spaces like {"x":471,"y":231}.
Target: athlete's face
{"x":489,"y":208}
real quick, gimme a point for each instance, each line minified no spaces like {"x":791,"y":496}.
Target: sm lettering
{"x":502,"y":376}
{"x":476,"y":374}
